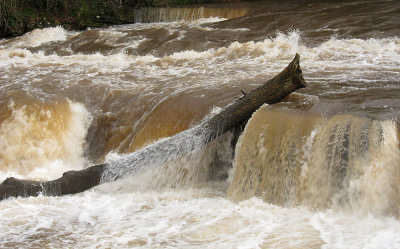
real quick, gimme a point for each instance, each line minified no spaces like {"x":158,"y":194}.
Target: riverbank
{"x":20,"y":16}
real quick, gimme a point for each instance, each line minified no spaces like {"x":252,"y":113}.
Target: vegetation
{"x":20,"y":16}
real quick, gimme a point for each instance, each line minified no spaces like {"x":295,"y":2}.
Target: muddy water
{"x":319,"y":170}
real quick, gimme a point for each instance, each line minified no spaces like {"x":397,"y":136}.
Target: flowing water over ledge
{"x":319,"y":170}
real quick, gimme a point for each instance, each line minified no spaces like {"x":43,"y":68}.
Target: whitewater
{"x":319,"y":170}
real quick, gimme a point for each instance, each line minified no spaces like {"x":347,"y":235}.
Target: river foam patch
{"x":196,"y":218}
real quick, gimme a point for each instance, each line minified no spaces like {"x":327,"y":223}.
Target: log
{"x":234,"y":115}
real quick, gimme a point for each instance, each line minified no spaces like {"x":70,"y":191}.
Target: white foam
{"x":38,"y":37}
{"x":195,"y":218}
{"x":355,"y":59}
{"x":351,"y":230}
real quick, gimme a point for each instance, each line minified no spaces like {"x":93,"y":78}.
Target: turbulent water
{"x":319,"y":170}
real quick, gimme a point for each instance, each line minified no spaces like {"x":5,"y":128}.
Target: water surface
{"x":319,"y":170}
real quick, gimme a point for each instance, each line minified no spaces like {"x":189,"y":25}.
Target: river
{"x":319,"y":170}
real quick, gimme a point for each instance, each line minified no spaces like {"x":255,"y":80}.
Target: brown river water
{"x":319,"y":170}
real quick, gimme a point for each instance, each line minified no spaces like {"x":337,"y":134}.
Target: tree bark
{"x":271,"y":92}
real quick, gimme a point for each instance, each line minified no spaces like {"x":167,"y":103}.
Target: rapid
{"x":321,"y":169}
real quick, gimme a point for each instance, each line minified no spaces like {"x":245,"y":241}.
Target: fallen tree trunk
{"x":273,"y":91}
